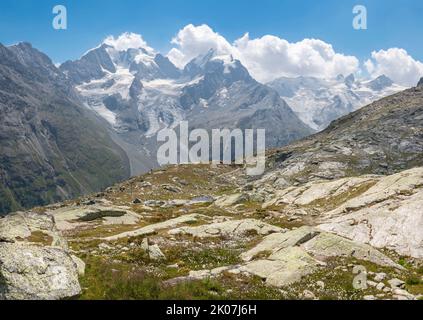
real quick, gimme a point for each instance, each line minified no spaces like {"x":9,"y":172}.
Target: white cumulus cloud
{"x":127,"y":41}
{"x":271,"y":57}
{"x":266,"y":58}
{"x":193,"y":41}
{"x":397,"y":64}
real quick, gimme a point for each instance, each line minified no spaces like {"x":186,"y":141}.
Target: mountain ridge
{"x":52,"y":147}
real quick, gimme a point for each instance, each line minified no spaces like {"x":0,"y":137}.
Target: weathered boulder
{"x":22,"y":226}
{"x":153,"y":250}
{"x":30,"y":272}
{"x":34,"y":259}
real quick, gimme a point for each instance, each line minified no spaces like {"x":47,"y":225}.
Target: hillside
{"x":51,"y":147}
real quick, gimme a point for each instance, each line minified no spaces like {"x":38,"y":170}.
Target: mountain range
{"x":140,"y":92}
{"x":52,"y":148}
{"x":81,"y":126}
{"x":318,"y":102}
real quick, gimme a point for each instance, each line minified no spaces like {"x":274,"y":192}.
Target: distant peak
{"x":420,"y":84}
{"x":350,"y":78}
{"x":340,"y":77}
{"x":383,"y":78}
{"x":349,"y":81}
{"x":381,"y":83}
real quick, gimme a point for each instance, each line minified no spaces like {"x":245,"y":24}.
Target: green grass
{"x":105,"y":280}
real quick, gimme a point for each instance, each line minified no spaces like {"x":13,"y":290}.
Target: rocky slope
{"x":382,"y":138}
{"x":51,"y":147}
{"x":196,"y":232}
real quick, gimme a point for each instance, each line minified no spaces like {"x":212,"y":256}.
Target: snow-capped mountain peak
{"x":320,"y":101}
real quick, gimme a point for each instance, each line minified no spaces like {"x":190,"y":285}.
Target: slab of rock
{"x":326,"y":245}
{"x":21,"y":225}
{"x":284,"y":267}
{"x":277,"y":241}
{"x":151,"y":229}
{"x":389,"y":215}
{"x":231,"y":200}
{"x":71,"y":217}
{"x":30,"y":272}
{"x":231,"y":228}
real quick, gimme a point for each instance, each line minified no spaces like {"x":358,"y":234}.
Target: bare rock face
{"x":34,"y":260}
{"x":388,"y":215}
{"x":383,"y":138}
{"x":420,"y":82}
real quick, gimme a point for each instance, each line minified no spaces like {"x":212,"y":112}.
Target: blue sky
{"x":390,"y":23}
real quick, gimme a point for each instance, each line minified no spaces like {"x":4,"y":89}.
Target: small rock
{"x":104,"y":247}
{"x":380,"y":286}
{"x":371,"y":283}
{"x":137,"y":201}
{"x":153,"y":251}
{"x":404,"y":293}
{"x":145,"y":184}
{"x":320,"y":284}
{"x":369,"y":298}
{"x":308,"y":295}
{"x":171,"y":188}
{"x":380,"y":277}
{"x":396,"y":283}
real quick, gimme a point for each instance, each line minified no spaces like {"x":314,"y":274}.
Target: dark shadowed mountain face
{"x":385,"y":137}
{"x":227,"y":97}
{"x":52,"y":148}
{"x":144,"y":92}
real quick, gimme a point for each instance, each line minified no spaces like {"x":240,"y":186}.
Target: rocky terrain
{"x":201,"y":232}
{"x":51,"y":147}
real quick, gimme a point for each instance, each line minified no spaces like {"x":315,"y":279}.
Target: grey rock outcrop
{"x":34,"y":260}
{"x":30,"y":272}
{"x":383,"y":138}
